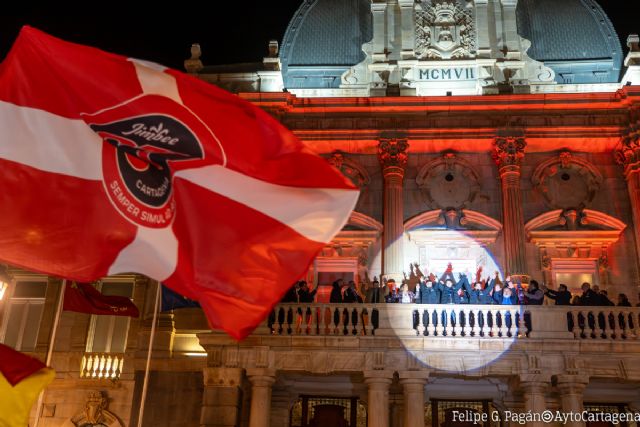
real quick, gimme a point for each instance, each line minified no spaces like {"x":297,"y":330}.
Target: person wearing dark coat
{"x":604,"y":299}
{"x":449,"y":290}
{"x":304,"y":294}
{"x":589,"y":297}
{"x":427,"y":293}
{"x":292,"y":294}
{"x":505,"y":296}
{"x":623,"y":301}
{"x":534,"y":295}
{"x":479,"y":294}
{"x":336,"y":292}
{"x":376,"y":294}
{"x":562,"y":296}
{"x":350,"y":294}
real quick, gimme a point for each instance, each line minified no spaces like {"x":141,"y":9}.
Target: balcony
{"x":101,"y":366}
{"x":455,"y":321}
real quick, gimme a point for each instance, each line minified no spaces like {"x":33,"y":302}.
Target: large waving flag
{"x":145,"y":169}
{"x":21,"y":380}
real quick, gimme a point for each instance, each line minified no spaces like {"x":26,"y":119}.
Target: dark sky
{"x":234,"y":32}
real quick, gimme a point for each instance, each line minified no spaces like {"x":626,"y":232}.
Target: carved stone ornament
{"x":445,"y":29}
{"x":567,"y":182}
{"x":508,"y":151}
{"x":95,"y":414}
{"x":448,"y":182}
{"x":628,"y":152}
{"x":393,"y":153}
{"x":350,"y":168}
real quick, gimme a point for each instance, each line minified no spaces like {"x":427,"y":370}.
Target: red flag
{"x":84,"y":298}
{"x":159,"y":173}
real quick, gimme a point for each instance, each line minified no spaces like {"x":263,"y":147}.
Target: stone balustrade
{"x":455,"y":321}
{"x":101,"y":365}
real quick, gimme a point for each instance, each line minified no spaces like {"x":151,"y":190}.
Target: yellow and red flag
{"x":22,"y":378}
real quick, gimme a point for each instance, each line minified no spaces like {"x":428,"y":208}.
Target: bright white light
{"x":3,"y":289}
{"x":196,"y":354}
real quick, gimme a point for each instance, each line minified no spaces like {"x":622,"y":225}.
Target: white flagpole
{"x":52,"y":339}
{"x":145,"y":383}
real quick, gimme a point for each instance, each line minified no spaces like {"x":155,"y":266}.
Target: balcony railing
{"x":101,"y":365}
{"x":456,"y":321}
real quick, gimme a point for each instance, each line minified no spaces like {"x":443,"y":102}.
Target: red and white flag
{"x":112,"y":165}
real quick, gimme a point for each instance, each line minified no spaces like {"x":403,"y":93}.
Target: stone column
{"x":534,"y":387}
{"x":379,"y":12}
{"x":261,"y":382}
{"x":482,"y":18}
{"x":413,"y":383}
{"x":512,"y":39}
{"x":571,"y":389}
{"x":378,"y":397}
{"x":508,"y":152}
{"x":407,"y":25}
{"x":393,"y":159}
{"x":222,"y":397}
{"x":628,"y":156}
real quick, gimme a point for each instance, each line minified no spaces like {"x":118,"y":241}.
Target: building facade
{"x":494,"y":133}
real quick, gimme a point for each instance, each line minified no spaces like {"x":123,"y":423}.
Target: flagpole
{"x":145,"y":383}
{"x":52,"y":339}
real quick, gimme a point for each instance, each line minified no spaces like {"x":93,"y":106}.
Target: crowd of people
{"x":446,"y":289}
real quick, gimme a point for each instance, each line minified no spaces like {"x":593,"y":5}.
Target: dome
{"x":323,"y":40}
{"x":573,"y":37}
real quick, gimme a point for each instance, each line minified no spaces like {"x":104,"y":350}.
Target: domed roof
{"x":327,"y":33}
{"x":574,"y":37}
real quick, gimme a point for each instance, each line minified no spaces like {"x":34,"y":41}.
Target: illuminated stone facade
{"x":473,"y":140}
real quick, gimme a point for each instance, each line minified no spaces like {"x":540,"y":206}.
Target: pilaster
{"x":508,"y":153}
{"x":571,"y":389}
{"x":378,"y":383}
{"x":413,"y":383}
{"x":222,"y":397}
{"x":261,"y":382}
{"x":534,"y":388}
{"x":392,"y":154}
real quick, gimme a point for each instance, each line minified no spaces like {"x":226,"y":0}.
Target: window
{"x":108,"y":334}
{"x":573,"y":272}
{"x":23,"y":315}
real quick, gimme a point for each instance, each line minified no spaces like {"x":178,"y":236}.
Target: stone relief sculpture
{"x":94,"y":414}
{"x":444,"y":30}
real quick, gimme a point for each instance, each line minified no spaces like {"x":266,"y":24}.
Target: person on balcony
{"x":350,"y":294}
{"x":376,"y":294}
{"x":305,"y":294}
{"x":534,"y":295}
{"x":392,"y":294}
{"x":427,"y":292}
{"x":562,"y":296}
{"x":449,"y":290}
{"x":623,"y":301}
{"x":292,"y":294}
{"x":505,"y":296}
{"x":336,"y":292}
{"x":405,"y":296}
{"x":480,"y":293}
{"x":604,"y":299}
{"x":589,"y":297}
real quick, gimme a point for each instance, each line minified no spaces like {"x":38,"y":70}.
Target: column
{"x":222,"y":397}
{"x":534,"y":387}
{"x":261,"y":382}
{"x":413,"y":383}
{"x":508,"y":152}
{"x":408,"y":30}
{"x":393,"y":159}
{"x":511,"y":37}
{"x":628,"y":156}
{"x":379,"y":11}
{"x":571,"y":389}
{"x":378,"y":397}
{"x":482,"y":18}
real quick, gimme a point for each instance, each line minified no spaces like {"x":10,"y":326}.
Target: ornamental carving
{"x":393,"y":153}
{"x":628,"y":152}
{"x":350,"y":169}
{"x":445,"y":29}
{"x":95,"y":414}
{"x":449,"y":182}
{"x":508,"y":151}
{"x":567,"y":182}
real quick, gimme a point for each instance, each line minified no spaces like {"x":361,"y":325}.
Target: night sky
{"x":238,"y":32}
